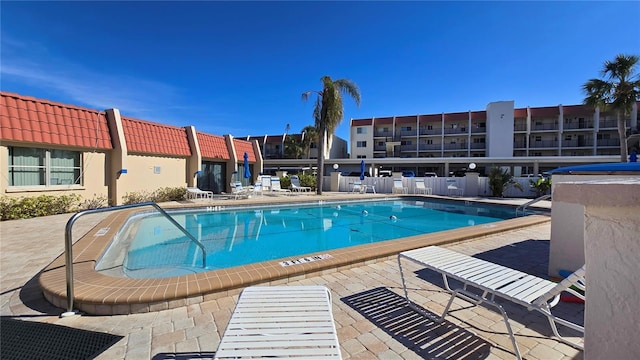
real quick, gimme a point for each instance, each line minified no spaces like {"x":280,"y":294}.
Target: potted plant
{"x":500,"y":180}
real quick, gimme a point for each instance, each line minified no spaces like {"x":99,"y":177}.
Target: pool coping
{"x":99,"y":294}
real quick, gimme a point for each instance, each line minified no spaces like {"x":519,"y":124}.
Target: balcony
{"x":408,"y":133}
{"x":459,"y":130}
{"x":577,"y":143}
{"x":412,"y":147}
{"x":609,"y":142}
{"x":455,"y":146}
{"x":383,"y":134}
{"x":520,"y":145}
{"x":578,"y":125}
{"x":520,"y":127}
{"x":545,"y":126}
{"x":478,"y":130}
{"x":478,"y":145}
{"x":431,"y":131}
{"x":544,"y":144}
{"x":607,"y":124}
{"x":429,"y":147}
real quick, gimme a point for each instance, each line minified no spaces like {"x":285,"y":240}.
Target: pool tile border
{"x":99,"y":294}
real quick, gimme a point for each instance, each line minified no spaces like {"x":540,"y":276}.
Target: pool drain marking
{"x":102,"y":231}
{"x":305,"y":260}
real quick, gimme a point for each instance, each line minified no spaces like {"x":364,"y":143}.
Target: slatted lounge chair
{"x":195,"y":193}
{"x":358,"y":187}
{"x":281,"y":322}
{"x":398,"y":188}
{"x":493,"y":280}
{"x":295,"y":185}
{"x":275,"y":186}
{"x":421,"y":189}
{"x":239,"y":191}
{"x":453,"y":189}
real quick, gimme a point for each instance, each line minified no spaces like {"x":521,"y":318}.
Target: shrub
{"x":96,"y":202}
{"x":542,"y":185}
{"x":43,"y":205}
{"x":159,"y":195}
{"x":500,"y":180}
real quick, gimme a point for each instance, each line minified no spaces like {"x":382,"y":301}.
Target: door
{"x":212,"y":177}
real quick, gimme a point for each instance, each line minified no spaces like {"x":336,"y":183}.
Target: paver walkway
{"x":371,"y":318}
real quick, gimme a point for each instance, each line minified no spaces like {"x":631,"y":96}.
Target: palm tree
{"x":328,"y":113}
{"x":618,"y":91}
{"x":309,"y":136}
{"x":294,"y":147}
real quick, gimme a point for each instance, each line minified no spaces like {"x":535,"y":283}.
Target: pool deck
{"x":371,"y":320}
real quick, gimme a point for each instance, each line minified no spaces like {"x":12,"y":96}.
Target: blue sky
{"x":240,"y":67}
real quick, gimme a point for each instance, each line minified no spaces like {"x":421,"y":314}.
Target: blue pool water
{"x":156,"y":248}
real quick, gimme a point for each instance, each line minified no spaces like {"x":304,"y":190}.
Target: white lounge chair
{"x":453,"y":189}
{"x":295,"y":185}
{"x":195,"y":193}
{"x":358,"y":187}
{"x":281,"y":322}
{"x":421,"y":189}
{"x":398,"y":187}
{"x":275,"y":186}
{"x":239,"y":191}
{"x":266,"y":182}
{"x":493,"y":280}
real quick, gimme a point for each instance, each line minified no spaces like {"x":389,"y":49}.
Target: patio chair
{"x":195,"y":193}
{"x":453,"y":189}
{"x":493,"y":280}
{"x":275,"y":186}
{"x":295,"y":185}
{"x":421,"y":189}
{"x":281,"y":322}
{"x":358,"y":187}
{"x":239,"y":191}
{"x":266,"y":182}
{"x":398,"y":187}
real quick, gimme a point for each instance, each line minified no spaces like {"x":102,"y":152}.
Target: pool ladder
{"x":68,"y":243}
{"x":523,"y":207}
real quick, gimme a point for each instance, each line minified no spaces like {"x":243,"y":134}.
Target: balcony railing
{"x":544,"y":144}
{"x":608,"y":142}
{"x":577,"y":143}
{"x":479,"y":130}
{"x":519,"y":145}
{"x":455,"y":146}
{"x":573,"y":125}
{"x":459,"y":130}
{"x":545,"y":127}
{"x":383,"y":133}
{"x":408,"y":133}
{"x":604,"y":124}
{"x":431,"y":132}
{"x":520,"y":127}
{"x":478,"y":145}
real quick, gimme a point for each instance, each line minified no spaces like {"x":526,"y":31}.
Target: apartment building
{"x":530,"y":135}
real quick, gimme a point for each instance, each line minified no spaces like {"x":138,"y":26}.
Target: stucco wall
{"x":142,"y":174}
{"x":612,"y":254}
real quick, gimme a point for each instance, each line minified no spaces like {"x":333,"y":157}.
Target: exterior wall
{"x":612,"y":249}
{"x":338,"y":148}
{"x":359,"y":152}
{"x":148,"y":173}
{"x":499,"y":140}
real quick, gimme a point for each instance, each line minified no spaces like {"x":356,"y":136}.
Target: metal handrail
{"x":68,"y":244}
{"x":524,"y":206}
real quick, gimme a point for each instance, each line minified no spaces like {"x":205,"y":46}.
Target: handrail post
{"x":68,"y":244}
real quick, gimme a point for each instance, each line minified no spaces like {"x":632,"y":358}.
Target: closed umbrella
{"x":247,"y":172}
{"x":362,"y":166}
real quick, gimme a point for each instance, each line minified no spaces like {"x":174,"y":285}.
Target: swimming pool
{"x":148,"y":246}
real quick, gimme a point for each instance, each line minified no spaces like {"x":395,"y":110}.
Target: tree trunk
{"x":320,"y":169}
{"x":622,"y":133}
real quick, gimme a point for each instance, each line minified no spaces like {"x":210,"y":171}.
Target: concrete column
{"x":612,"y":253}
{"x":117,"y":158}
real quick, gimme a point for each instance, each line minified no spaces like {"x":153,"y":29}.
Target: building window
{"x":430,"y":142}
{"x":429,"y":127}
{"x":43,"y":167}
{"x":538,"y":138}
{"x":361,"y":130}
{"x":361,"y":144}
{"x":405,"y":128}
{"x":406,"y":142}
{"x":361,"y":157}
{"x":478,"y":140}
{"x":567,"y":137}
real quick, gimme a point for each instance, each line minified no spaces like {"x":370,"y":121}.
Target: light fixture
{"x":335,"y":167}
{"x":472,"y":166}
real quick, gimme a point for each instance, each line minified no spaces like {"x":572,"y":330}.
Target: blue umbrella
{"x":362,"y":170}
{"x":247,"y":173}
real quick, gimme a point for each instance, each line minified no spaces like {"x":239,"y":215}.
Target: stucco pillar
{"x":612,"y":254}
{"x":195,"y":160}
{"x":116,"y":172}
{"x":471,"y":187}
{"x":335,"y":181}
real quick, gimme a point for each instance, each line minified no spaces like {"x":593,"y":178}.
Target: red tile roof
{"x":520,"y":113}
{"x":213,"y":146}
{"x":549,"y":111}
{"x":578,"y":110}
{"x":383,"y":121}
{"x":27,"y":119}
{"x":459,"y":116}
{"x":243,"y":146}
{"x":361,"y":122}
{"x":478,"y":115}
{"x":406,"y":120}
{"x":430,"y":118}
{"x":152,"y":138}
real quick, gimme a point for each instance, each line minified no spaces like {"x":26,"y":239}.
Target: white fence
{"x":438,"y":185}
